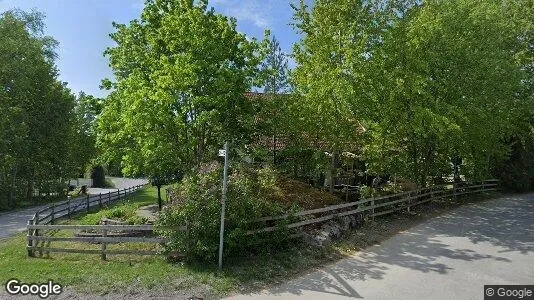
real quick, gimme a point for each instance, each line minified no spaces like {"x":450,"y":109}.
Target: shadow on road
{"x":504,"y":225}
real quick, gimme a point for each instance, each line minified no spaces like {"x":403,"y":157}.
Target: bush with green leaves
{"x":517,"y":172}
{"x":199,"y":209}
{"x":98,"y":175}
{"x":368,"y":192}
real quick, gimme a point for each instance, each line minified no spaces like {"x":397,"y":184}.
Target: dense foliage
{"x":39,"y":129}
{"x":430,"y":81}
{"x":198,"y":206}
{"x":181,"y":71}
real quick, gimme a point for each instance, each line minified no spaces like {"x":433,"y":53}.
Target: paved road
{"x":449,"y":257}
{"x":14,"y":222}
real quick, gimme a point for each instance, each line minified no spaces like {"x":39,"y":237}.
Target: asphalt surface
{"x":16,"y":221}
{"x":449,"y":257}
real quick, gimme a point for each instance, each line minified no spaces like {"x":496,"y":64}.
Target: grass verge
{"x":122,"y":210}
{"x":154,"y":276}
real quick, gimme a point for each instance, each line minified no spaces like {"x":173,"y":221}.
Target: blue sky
{"x":82,"y":26}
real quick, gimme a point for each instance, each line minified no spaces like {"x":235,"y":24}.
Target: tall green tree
{"x":36,"y":110}
{"x":335,"y":75}
{"x":449,"y":91}
{"x":421,"y":76}
{"x":181,"y":71}
{"x":274,"y":68}
{"x":83,"y":134}
{"x":273,"y":107}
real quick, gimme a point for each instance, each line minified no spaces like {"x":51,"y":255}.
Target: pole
{"x":223,"y":204}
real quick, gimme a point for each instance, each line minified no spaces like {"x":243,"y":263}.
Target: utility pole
{"x":223,"y":201}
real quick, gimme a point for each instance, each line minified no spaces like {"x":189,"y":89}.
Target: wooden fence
{"x":376,"y":206}
{"x":43,"y":220}
{"x":108,"y":234}
{"x":101,"y":234}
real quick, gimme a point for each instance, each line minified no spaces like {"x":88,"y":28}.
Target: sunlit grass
{"x":122,"y":210}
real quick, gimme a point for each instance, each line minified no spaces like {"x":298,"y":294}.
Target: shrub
{"x":98,"y":175}
{"x":516,"y":173}
{"x":367,"y":192}
{"x":116,"y":213}
{"x":136,"y":220}
{"x":200,"y":208}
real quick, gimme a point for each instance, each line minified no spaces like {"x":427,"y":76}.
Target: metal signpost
{"x":224,"y":153}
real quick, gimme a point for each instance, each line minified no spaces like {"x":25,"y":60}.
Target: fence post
{"x":100,"y":200}
{"x":35,"y":231}
{"x":109,"y":197}
{"x":118,"y":195}
{"x":68,"y":208}
{"x":30,"y":240}
{"x":104,"y":244}
{"x":87,"y":202}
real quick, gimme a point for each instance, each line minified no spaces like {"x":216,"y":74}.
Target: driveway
{"x":120,"y":184}
{"x":16,"y":221}
{"x":449,"y":257}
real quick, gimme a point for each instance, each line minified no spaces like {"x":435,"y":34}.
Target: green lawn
{"x":124,"y":209}
{"x":87,"y":273}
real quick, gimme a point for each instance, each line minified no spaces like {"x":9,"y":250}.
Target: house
{"x":299,"y":152}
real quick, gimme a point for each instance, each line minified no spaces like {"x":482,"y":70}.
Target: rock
{"x":317,"y":238}
{"x":333,"y":230}
{"x":346,"y":223}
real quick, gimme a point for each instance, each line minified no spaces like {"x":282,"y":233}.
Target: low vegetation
{"x":155,"y":276}
{"x":252,"y":194}
{"x":124,"y":210}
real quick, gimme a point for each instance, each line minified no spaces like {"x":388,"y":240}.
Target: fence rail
{"x":104,"y":240}
{"x":377,"y":206}
{"x":104,"y":235}
{"x":43,"y":220}
{"x":107,"y":234}
{"x":83,"y":204}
